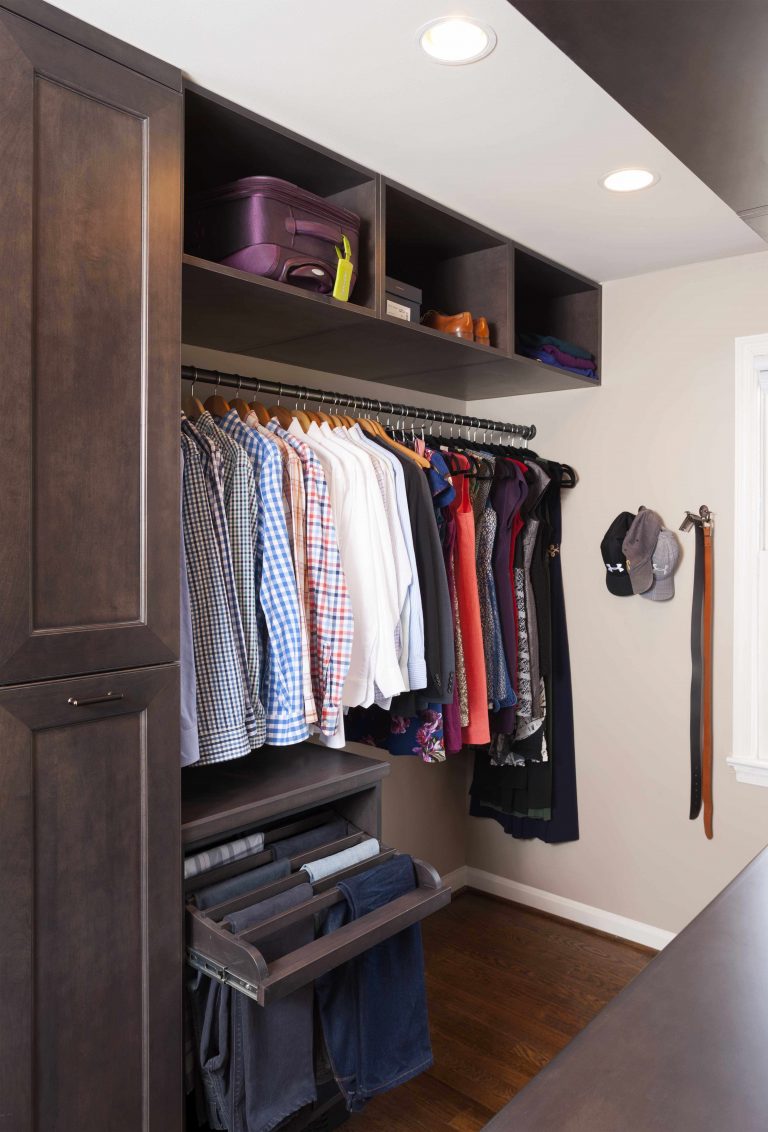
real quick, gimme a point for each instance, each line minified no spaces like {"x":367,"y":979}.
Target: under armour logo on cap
{"x":617,"y":580}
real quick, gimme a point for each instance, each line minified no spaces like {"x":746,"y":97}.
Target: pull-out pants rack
{"x":234,"y":958}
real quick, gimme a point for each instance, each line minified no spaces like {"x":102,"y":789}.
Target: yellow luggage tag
{"x":344,"y":269}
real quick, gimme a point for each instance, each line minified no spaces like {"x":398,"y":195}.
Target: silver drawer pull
{"x":108,"y":698}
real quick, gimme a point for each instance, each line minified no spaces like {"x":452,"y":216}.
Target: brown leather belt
{"x":701,"y":668}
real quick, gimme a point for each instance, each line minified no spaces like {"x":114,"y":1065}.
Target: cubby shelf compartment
{"x":458,"y":264}
{"x":226,"y":309}
{"x":224,"y":142}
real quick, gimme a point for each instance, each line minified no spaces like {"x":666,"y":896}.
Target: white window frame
{"x":749,"y":756}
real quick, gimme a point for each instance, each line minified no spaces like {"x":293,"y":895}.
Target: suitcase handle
{"x":315,"y":276}
{"x":315,"y":228}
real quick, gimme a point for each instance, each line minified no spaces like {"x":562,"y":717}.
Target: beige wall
{"x":659,"y":433}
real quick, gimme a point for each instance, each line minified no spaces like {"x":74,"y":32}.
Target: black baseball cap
{"x":616,"y":574}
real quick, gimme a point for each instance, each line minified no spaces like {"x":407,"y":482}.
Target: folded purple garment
{"x":541,"y":356}
{"x":564,"y":359}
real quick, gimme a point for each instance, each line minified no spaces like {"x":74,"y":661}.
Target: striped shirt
{"x":329,"y":608}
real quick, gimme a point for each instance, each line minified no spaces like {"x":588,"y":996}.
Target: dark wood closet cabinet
{"x":90,"y":888}
{"x":90,"y":927}
{"x":90,"y":299}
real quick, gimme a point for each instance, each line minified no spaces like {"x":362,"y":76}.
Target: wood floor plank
{"x":507,"y":989}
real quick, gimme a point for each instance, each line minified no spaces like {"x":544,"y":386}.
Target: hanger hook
{"x":218,"y":379}
{"x":194,"y":379}
{"x":279,"y":393}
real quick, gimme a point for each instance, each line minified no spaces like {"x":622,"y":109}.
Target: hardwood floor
{"x":508,"y":988}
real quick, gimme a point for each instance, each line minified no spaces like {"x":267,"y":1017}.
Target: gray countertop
{"x":683,"y":1047}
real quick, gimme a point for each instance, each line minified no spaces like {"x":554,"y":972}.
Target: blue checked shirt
{"x":227,"y":726}
{"x":282,"y":689}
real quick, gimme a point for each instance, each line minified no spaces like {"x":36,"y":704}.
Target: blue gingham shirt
{"x":227,"y":726}
{"x":282,"y":688}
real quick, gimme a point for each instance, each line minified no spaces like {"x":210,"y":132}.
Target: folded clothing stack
{"x":557,"y":352}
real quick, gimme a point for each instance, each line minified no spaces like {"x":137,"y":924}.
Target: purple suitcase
{"x":270,"y":227}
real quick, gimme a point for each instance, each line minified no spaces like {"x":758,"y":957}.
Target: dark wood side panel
{"x":89,"y":898}
{"x":89,"y":290}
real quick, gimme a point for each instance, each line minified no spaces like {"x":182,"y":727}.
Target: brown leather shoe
{"x":459,"y":325}
{"x":482,"y":331}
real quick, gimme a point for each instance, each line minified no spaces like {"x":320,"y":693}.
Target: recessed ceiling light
{"x":629,"y":180}
{"x":457,"y":39}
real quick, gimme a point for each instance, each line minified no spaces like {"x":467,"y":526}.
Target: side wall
{"x":659,"y":433}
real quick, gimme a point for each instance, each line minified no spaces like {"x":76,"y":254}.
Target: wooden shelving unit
{"x":458,"y":263}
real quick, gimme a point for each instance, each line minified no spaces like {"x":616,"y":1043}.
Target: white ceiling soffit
{"x":517,"y":141}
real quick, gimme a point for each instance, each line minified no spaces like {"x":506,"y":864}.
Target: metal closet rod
{"x":367,"y":404}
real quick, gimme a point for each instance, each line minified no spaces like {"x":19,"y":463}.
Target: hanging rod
{"x":367,"y":404}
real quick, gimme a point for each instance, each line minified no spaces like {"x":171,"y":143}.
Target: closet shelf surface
{"x":272,"y":782}
{"x":456,"y":263}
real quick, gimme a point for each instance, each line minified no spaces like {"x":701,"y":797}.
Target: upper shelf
{"x":456,"y":263}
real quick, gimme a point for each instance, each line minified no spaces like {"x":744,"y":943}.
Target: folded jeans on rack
{"x":216,"y":855}
{"x":327,"y":866}
{"x":310,"y":839}
{"x":374,"y":1008}
{"x":257,"y":1062}
{"x":244,"y":882}
{"x":254,"y":913}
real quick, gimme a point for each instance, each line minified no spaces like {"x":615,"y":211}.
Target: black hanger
{"x":569,"y":478}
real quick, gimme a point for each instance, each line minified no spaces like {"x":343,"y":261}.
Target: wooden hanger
{"x":239,"y":405}
{"x":192,"y":406}
{"x":261,"y":411}
{"x":215,"y":404}
{"x":283,"y":415}
{"x":379,"y":430}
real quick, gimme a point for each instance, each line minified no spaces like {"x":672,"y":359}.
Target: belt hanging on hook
{"x":702,"y":614}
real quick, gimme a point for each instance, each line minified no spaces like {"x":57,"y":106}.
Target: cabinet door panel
{"x":90,"y":893}
{"x":89,"y":301}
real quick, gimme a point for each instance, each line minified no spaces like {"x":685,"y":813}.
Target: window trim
{"x":750,"y":539}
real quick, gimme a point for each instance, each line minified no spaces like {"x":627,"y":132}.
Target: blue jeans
{"x":374,"y":1008}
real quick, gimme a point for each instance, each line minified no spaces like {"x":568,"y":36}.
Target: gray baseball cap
{"x":664,"y":562}
{"x":638,"y":548}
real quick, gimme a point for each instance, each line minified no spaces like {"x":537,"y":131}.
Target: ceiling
{"x":517,"y":141}
{"x":694,"y":74}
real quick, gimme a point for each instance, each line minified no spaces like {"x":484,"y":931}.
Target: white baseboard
{"x":457,"y":879}
{"x":622,"y":926}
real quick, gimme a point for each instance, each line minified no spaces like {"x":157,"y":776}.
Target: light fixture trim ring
{"x":491,"y":40}
{"x":627,"y":169}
